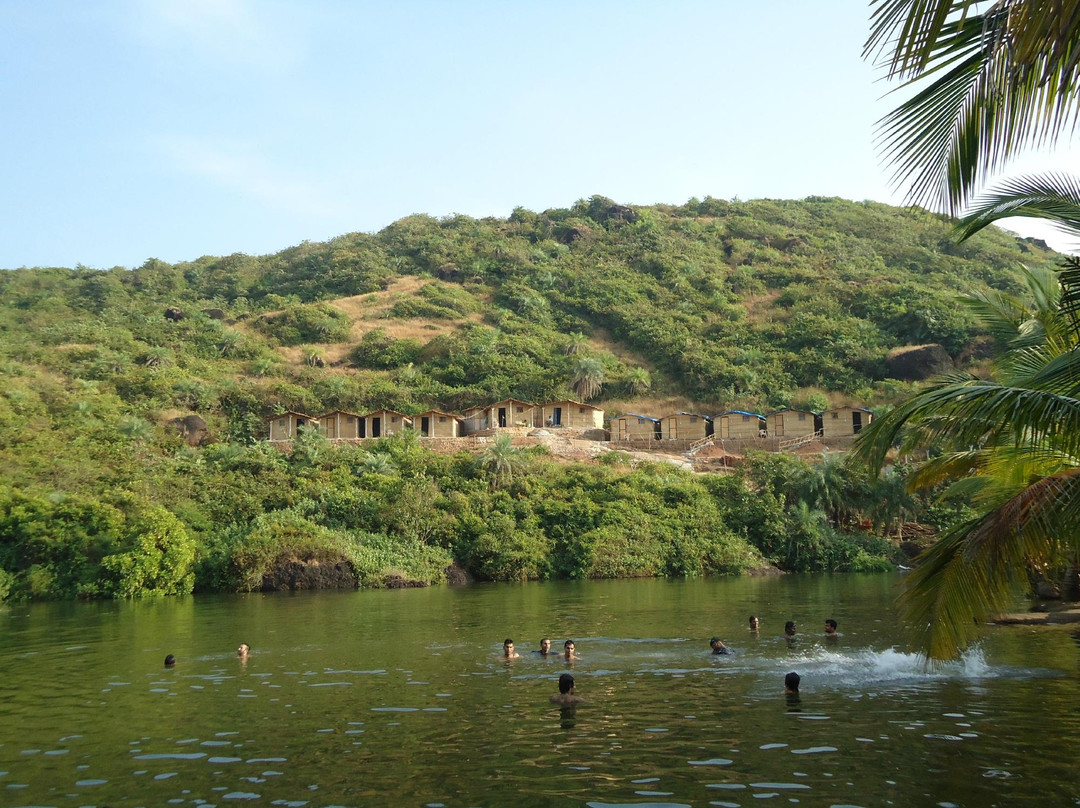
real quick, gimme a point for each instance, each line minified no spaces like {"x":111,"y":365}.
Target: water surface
{"x":401,"y":698}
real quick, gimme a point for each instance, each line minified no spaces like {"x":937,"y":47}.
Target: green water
{"x":401,"y":698}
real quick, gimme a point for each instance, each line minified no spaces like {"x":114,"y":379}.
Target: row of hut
{"x":841,"y":422}
{"x":434,"y":423}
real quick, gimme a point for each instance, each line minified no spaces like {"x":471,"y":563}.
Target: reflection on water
{"x":403,"y":698}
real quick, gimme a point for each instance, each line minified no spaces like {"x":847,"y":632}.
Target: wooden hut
{"x":342,"y":425}
{"x":438,"y":424}
{"x":633,"y":427}
{"x":569,"y":412}
{"x":500,"y":415}
{"x":740,"y":424}
{"x":475,"y":420}
{"x":381,"y":423}
{"x":288,"y":424}
{"x":685,"y":426}
{"x":844,"y":422}
{"x":792,"y":423}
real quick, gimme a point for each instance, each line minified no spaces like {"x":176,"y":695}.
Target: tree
{"x":1000,"y":78}
{"x":1003,"y":76}
{"x":500,"y":459}
{"x":587,"y":378}
{"x":1011,"y":445}
{"x":638,"y":381}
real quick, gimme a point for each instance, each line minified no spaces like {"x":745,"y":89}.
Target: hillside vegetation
{"x":707,"y":306}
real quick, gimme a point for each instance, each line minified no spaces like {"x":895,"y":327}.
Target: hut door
{"x":556,"y":416}
{"x":331,"y":429}
{"x":856,"y":422}
{"x":361,"y":428}
{"x":376,"y":427}
{"x":425,"y":426}
{"x":502,"y":416}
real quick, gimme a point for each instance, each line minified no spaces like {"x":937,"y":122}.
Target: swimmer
{"x":568,"y":649}
{"x":545,"y":647}
{"x":753,"y":624}
{"x":718,"y":646}
{"x":566,"y":697}
{"x":830,"y":629}
{"x":791,"y":684}
{"x":508,"y":649}
{"x":170,"y":661}
{"x":789,"y":631}
{"x":243,"y":650}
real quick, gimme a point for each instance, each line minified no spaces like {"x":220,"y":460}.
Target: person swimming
{"x":754,"y":624}
{"x":508,"y":649}
{"x":565,"y":696}
{"x":568,"y":649}
{"x":791,"y":683}
{"x":545,"y":647}
{"x":718,"y":647}
{"x":170,"y":661}
{"x":830,"y":629}
{"x":243,"y":650}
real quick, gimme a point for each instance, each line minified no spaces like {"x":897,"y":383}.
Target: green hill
{"x":708,"y":306}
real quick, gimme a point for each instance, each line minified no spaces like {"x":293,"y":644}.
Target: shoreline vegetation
{"x":133,"y":401}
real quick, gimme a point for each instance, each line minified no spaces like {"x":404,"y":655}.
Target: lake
{"x":401,"y":698}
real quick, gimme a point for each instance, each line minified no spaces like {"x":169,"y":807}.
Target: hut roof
{"x":571,"y":401}
{"x":290,"y":412}
{"x":740,"y":412}
{"x":438,"y":412}
{"x":635,"y":415}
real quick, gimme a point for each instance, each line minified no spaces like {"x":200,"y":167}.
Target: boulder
{"x":192,"y":428}
{"x":918,"y":362}
{"x":294,"y":574}
{"x":174,"y":314}
{"x":214,"y":314}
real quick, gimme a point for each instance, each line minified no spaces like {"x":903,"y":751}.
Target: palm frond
{"x":1003,"y":79}
{"x":1054,"y":197}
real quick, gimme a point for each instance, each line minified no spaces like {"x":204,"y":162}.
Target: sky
{"x":173,"y":129}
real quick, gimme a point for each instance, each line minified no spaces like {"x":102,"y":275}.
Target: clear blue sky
{"x":179,"y":128}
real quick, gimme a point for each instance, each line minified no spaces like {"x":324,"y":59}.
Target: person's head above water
{"x":753,"y":623}
{"x":545,"y":645}
{"x":830,"y":626}
{"x":508,"y":648}
{"x":791,"y":682}
{"x":789,"y":628}
{"x":566,"y":683}
{"x":568,"y":647}
{"x":243,"y":650}
{"x":170,"y":661}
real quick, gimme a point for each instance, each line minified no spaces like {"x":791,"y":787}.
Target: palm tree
{"x":1001,"y":77}
{"x":638,"y":381}
{"x":576,"y":344}
{"x":500,"y":459}
{"x":1011,"y":446}
{"x":587,"y":378}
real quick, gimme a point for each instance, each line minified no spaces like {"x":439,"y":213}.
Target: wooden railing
{"x":801,"y":440}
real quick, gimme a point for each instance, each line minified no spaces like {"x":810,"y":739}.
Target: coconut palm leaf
{"x":1053,"y":197}
{"x":1003,"y":78}
{"x":974,"y":569}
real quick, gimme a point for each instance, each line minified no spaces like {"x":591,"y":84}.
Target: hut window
{"x":442,"y":419}
{"x":802,"y":416}
{"x":745,"y":419}
{"x":521,"y":409}
{"x":693,"y":419}
{"x":641,"y":420}
{"x":281,"y":422}
{"x":393,"y":420}
{"x":350,"y":420}
{"x":835,"y":415}
{"x":581,"y":409}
